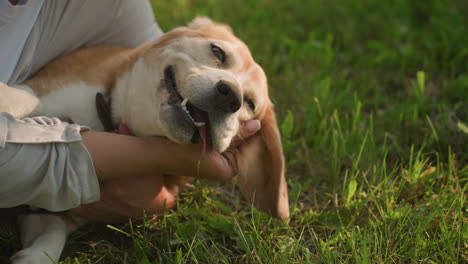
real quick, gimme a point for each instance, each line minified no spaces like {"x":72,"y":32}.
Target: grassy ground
{"x":372,"y":97}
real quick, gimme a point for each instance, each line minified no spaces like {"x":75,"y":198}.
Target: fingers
{"x":223,"y":167}
{"x":250,"y":127}
{"x":188,"y":160}
{"x":130,"y":198}
{"x":100,"y":211}
{"x":215,"y":167}
{"x":246,"y":129}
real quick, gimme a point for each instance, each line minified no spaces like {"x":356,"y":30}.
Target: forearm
{"x":121,"y":156}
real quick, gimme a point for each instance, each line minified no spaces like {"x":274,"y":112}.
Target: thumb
{"x":247,"y":129}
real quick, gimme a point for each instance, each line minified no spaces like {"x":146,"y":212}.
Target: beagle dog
{"x":195,"y":84}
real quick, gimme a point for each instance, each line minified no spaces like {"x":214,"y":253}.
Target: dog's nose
{"x":228,"y":98}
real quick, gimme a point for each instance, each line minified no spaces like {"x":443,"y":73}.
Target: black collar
{"x":103,"y":107}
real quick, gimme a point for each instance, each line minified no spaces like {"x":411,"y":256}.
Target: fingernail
{"x":253,"y":126}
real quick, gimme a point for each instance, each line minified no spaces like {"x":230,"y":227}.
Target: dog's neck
{"x":131,"y":102}
{"x":122,"y":64}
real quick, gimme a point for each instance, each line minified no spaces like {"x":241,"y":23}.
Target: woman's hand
{"x":121,"y":156}
{"x":132,"y":172}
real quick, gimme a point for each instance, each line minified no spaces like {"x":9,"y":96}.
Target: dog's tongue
{"x":201,"y":116}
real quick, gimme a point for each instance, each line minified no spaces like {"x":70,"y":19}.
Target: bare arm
{"x":121,"y":156}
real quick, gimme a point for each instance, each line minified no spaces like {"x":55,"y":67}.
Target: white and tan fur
{"x":135,"y":79}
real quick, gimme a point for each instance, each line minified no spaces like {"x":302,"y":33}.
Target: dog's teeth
{"x":184,"y":102}
{"x":199,"y":124}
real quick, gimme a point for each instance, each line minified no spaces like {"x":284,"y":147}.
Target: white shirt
{"x":13,"y":36}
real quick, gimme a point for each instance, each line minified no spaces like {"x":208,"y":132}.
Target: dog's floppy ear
{"x":261,"y":169}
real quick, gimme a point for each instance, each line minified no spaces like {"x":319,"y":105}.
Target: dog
{"x":197,"y":83}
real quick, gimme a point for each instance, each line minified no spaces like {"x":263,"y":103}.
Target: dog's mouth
{"x":190,"y":114}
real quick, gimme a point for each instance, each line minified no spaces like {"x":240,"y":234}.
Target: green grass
{"x":372,"y":99}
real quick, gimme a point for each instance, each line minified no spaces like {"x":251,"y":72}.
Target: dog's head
{"x":203,"y":83}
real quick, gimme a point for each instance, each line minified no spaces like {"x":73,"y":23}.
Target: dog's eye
{"x":219,"y":53}
{"x":250,"y":103}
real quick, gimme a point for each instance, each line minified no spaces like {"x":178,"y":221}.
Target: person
{"x":57,"y":166}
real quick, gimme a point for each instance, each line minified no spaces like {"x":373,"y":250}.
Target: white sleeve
{"x":44,"y":164}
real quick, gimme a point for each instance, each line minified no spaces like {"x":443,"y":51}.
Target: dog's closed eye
{"x":250,"y":103}
{"x":218,"y":53}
